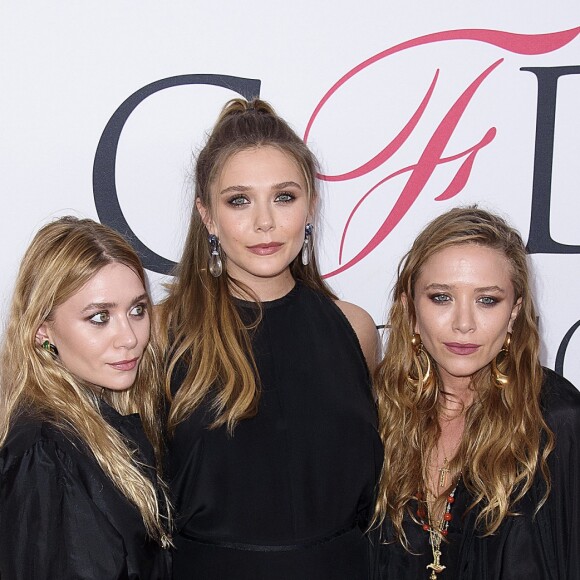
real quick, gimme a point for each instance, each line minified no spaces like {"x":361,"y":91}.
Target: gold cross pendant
{"x":443,"y":471}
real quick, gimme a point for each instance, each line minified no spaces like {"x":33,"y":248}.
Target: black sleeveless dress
{"x":289,"y":495}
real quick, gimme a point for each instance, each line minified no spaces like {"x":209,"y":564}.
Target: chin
{"x":121,"y":385}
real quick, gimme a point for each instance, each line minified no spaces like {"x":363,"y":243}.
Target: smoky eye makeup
{"x":489,"y":300}
{"x":139,"y":310}
{"x":285,"y":197}
{"x":99,"y":318}
{"x":237,"y":200}
{"x":438,"y":297}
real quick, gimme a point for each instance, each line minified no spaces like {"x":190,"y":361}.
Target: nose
{"x":464,"y":318}
{"x":125,"y":336}
{"x":264,"y":218}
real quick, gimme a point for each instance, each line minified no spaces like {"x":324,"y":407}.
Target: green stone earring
{"x":47,"y":345}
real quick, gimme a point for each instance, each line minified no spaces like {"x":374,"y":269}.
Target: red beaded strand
{"x":447,"y":516}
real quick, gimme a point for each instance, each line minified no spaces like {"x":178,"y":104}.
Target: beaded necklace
{"x":436,"y":530}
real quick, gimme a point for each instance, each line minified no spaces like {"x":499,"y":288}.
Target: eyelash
{"x":237,"y":198}
{"x":492,"y":301}
{"x":436,"y":298}
{"x":141,"y":307}
{"x":241,"y":200}
{"x":290,"y":197}
{"x":99,"y":322}
{"x":489,"y":300}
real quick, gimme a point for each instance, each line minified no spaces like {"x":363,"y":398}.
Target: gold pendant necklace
{"x":437,"y":530}
{"x":436,"y":566}
{"x":443,"y":472}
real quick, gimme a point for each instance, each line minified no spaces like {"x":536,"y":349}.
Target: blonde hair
{"x":199,"y":320}
{"x":501,"y":449}
{"x":63,"y":256}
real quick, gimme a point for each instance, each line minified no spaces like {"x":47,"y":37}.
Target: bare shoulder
{"x":365,"y":329}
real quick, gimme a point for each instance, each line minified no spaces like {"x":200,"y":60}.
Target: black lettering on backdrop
{"x":540,"y":241}
{"x":104,"y":186}
{"x":561,"y":354}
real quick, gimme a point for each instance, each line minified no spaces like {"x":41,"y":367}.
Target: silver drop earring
{"x":307,"y":245}
{"x":215,"y":261}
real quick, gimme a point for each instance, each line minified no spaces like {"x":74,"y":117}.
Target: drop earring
{"x":215,"y":262}
{"x":307,"y":245}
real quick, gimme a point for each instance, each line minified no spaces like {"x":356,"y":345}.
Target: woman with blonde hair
{"x":79,"y":408}
{"x":273,"y":451}
{"x":481,"y":470}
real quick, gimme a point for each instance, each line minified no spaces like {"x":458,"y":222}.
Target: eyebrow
{"x":435,"y":286}
{"x":244,"y":188}
{"x":109,"y":305}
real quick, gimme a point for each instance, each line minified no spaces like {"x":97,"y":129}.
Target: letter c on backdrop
{"x":104,"y":185}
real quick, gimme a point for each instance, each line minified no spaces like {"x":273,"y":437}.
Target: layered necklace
{"x":437,"y":530}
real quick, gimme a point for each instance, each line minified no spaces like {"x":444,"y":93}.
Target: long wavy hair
{"x":505,"y":440}
{"x":199,"y":321}
{"x":63,"y":256}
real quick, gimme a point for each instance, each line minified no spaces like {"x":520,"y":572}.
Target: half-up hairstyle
{"x":505,"y":440}
{"x":200,"y":323}
{"x":63,"y":256}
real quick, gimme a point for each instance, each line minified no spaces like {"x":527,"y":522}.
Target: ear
{"x":514,"y":314}
{"x":205,"y":216}
{"x":42,"y":334}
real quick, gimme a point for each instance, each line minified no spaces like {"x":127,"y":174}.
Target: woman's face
{"x":465,"y":304}
{"x":102,"y":330}
{"x":260,"y":209}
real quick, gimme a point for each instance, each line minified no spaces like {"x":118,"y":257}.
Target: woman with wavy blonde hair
{"x":79,"y":414}
{"x":481,"y":443}
{"x":273,"y":451}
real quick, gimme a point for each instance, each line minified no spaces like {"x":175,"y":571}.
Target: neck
{"x":266,"y":289}
{"x":456,"y":397}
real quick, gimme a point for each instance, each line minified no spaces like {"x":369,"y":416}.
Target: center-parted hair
{"x":199,"y":320}
{"x":63,"y":256}
{"x":501,"y":450}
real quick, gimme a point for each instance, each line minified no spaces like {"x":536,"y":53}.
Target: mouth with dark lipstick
{"x":125,"y":365}
{"x":462,"y":348}
{"x":265,"y":249}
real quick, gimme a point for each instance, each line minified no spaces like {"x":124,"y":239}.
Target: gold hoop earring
{"x":423,"y":369}
{"x":500,"y":363}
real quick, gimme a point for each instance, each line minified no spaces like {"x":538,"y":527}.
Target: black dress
{"x":62,"y":518}
{"x":527,"y":547}
{"x":288,"y":496}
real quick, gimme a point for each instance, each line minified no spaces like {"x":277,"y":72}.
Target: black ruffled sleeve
{"x":49,"y":526}
{"x":559,"y":519}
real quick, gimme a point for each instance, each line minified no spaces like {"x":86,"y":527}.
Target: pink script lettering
{"x":432,"y":155}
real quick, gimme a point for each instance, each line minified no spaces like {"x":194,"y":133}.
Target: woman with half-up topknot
{"x":273,"y":451}
{"x":80,"y":408}
{"x":482,"y":457}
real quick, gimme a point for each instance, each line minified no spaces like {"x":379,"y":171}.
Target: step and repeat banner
{"x":411,"y":107}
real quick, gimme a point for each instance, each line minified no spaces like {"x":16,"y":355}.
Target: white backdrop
{"x":437,"y":87}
